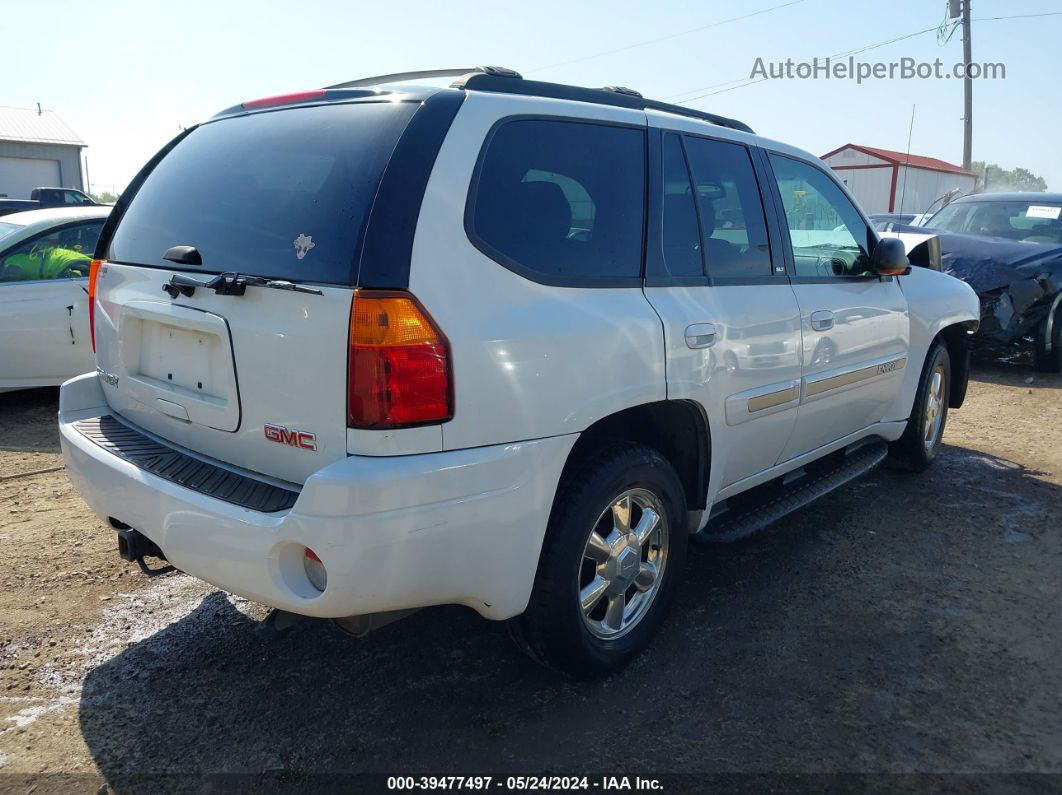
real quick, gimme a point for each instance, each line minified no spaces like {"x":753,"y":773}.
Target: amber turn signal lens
{"x":386,"y":320}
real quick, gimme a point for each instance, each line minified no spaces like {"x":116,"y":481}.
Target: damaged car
{"x":1008,"y":247}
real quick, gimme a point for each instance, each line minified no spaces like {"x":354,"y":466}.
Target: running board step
{"x":732,"y":525}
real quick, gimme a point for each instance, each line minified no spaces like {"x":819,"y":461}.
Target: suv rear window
{"x":562,"y":202}
{"x":282,"y":194}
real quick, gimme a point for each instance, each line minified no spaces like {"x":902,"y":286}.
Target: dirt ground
{"x":903,"y":624}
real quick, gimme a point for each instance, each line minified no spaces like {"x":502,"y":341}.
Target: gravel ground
{"x":903,"y":624}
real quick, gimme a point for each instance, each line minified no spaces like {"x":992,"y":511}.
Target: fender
{"x":935,"y":301}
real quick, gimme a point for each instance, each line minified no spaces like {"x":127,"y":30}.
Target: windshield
{"x":1027,"y":221}
{"x":282,"y":194}
{"x":7,"y":229}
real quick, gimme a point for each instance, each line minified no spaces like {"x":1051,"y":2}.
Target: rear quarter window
{"x":282,"y":194}
{"x":562,"y":202}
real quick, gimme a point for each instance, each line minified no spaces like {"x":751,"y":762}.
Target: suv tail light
{"x":94,"y":273}
{"x":399,"y":371}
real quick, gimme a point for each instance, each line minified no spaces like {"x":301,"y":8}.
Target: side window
{"x":562,"y":200}
{"x":733,"y":229}
{"x":828,"y":235}
{"x":680,"y":234}
{"x":61,"y":254}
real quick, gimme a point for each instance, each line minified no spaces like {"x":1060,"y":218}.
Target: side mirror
{"x":889,"y":258}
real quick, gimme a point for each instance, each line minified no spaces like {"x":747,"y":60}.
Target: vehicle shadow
{"x":791,"y":651}
{"x":28,"y":420}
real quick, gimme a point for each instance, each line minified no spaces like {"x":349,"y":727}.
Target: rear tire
{"x":614,"y":549}
{"x":1050,"y":361}
{"x":920,"y":443}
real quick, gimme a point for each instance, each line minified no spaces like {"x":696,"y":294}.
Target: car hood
{"x":1016,"y":281}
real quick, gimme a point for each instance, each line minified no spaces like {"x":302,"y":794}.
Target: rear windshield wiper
{"x":230,"y":284}
{"x":276,"y":284}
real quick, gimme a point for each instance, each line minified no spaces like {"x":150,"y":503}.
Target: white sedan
{"x":44,"y":263}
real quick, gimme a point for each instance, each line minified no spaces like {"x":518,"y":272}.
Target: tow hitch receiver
{"x":134,"y":546}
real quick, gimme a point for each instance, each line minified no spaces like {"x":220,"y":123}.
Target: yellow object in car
{"x":52,"y":263}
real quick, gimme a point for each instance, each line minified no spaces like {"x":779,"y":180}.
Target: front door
{"x":731,"y":321}
{"x":44,"y":334}
{"x":854,"y":324}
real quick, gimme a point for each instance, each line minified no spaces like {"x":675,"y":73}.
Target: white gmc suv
{"x":506,"y":344}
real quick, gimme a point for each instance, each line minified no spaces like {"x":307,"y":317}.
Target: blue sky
{"x":127,"y":75}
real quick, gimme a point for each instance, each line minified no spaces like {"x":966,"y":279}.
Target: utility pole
{"x":967,"y":89}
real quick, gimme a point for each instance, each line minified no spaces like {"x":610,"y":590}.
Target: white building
{"x":884,"y":181}
{"x":37,"y":150}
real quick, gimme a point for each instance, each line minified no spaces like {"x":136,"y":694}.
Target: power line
{"x":665,"y":38}
{"x":1020,"y":16}
{"x":744,"y":81}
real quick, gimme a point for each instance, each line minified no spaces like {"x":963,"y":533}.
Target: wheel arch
{"x":677,"y":429}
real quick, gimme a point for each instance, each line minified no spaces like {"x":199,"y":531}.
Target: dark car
{"x":45,"y":198}
{"x":1008,"y":247}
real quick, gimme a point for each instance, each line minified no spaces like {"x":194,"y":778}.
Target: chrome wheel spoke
{"x":597,"y":549}
{"x":614,"y":614}
{"x":646,"y":525}
{"x":621,"y":514}
{"x":646,"y":578}
{"x":628,"y":557}
{"x":934,"y":412}
{"x":592,"y":593}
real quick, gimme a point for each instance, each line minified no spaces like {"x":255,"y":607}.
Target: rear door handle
{"x":822,"y":320}
{"x":700,"y":335}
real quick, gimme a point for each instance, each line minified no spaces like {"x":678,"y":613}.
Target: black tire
{"x":553,"y":630}
{"x":1049,"y":361}
{"x":911,"y":450}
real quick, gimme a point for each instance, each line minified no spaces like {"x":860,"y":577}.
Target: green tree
{"x":995,"y":178}
{"x":105,"y":198}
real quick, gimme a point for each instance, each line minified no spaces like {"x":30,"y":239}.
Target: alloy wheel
{"x":623,"y":563}
{"x":934,"y":413}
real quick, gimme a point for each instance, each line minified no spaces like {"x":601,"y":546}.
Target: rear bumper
{"x":462,"y":527}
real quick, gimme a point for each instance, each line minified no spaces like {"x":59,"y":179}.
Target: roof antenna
{"x":39,"y":111}
{"x":907,"y":162}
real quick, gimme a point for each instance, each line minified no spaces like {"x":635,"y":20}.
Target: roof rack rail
{"x":610,"y":95}
{"x":508,"y":81}
{"x":630,"y":92}
{"x":401,"y":77}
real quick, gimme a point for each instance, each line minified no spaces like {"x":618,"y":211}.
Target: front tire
{"x":1050,"y":361}
{"x":920,"y":443}
{"x":614,"y":549}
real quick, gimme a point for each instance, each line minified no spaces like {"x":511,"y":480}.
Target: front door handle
{"x":700,"y":335}
{"x":822,"y":320}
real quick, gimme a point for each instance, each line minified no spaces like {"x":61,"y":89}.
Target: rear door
{"x":854,"y":324}
{"x":254,"y":377}
{"x":730,"y":317}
